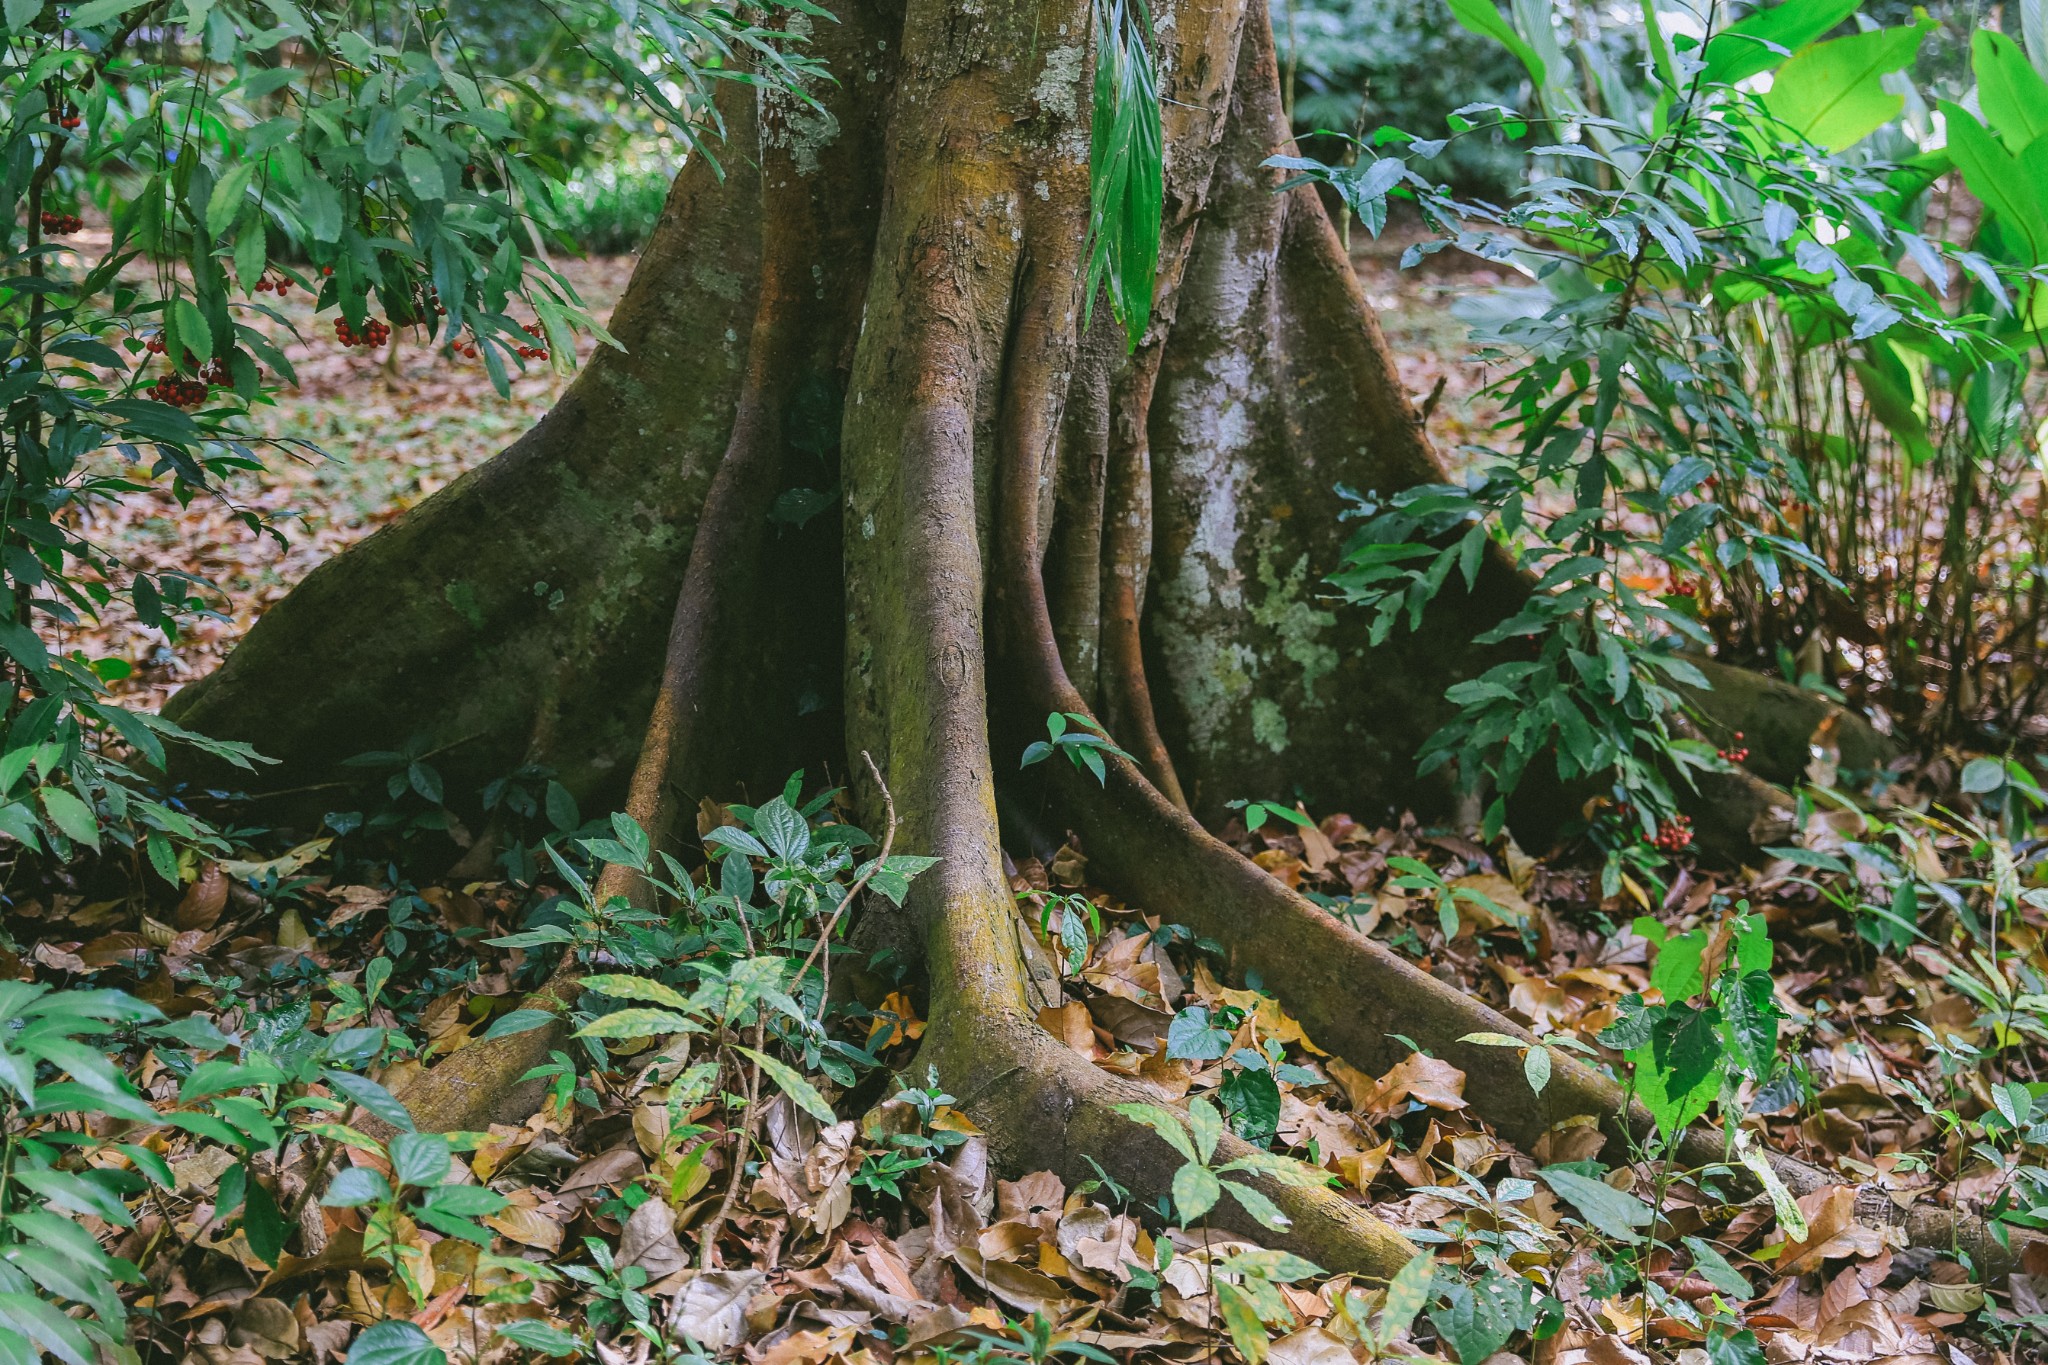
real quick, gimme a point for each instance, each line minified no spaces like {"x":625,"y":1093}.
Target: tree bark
{"x":885,"y":293}
{"x":521,"y":611}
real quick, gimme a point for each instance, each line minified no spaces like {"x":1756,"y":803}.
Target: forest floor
{"x":1915,"y":1070}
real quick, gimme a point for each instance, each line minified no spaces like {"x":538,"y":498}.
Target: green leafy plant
{"x":1417,"y":875}
{"x":1256,"y":813}
{"x":1084,"y":747}
{"x":1038,"y":1340}
{"x":1126,"y":166}
{"x":1378,"y":1319}
{"x":1717,"y":1025}
{"x":49,"y":1261}
{"x":419,"y":1188}
{"x":238,"y":152}
{"x":1198,"y":1184}
{"x":1073,"y":918}
{"x":1538,"y":1060}
{"x":1646,"y":450}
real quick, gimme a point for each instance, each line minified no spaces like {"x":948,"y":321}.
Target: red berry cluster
{"x":180,"y":391}
{"x":463,"y":347}
{"x":374,"y":333}
{"x":57,"y":224}
{"x":1685,"y":587}
{"x":68,"y":118}
{"x":533,"y":329}
{"x":189,"y":391}
{"x":155,"y":345}
{"x":1674,"y":835}
{"x":280,"y":286}
{"x":1736,"y":752}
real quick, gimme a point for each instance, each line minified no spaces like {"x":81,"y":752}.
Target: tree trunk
{"x":884,"y":294}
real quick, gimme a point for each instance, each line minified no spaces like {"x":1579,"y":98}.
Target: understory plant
{"x":1696,"y":251}
{"x":171,"y":168}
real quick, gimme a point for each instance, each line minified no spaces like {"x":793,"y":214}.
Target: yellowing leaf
{"x":800,"y":1091}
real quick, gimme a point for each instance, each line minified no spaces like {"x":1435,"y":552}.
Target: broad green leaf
{"x":561,"y":807}
{"x":263,"y":1222}
{"x":1284,"y":1169}
{"x":518,"y":1021}
{"x":638,"y":1024}
{"x":423,"y":172}
{"x":194,"y":333}
{"x":1407,"y":1295}
{"x":320,"y":203}
{"x":1734,"y":1348}
{"x":535,"y":1335}
{"x":1164,"y":1122}
{"x":93,"y":13}
{"x":396,"y":1342}
{"x":1191,"y":1037}
{"x":228,"y":193}
{"x":70,"y":814}
{"x":1253,"y":1099}
{"x":1832,"y":94}
{"x":1485,"y":1039}
{"x":1996,"y":176}
{"x":800,"y":1091}
{"x":639,"y":988}
{"x":892,"y":879}
{"x":1477,"y":1320}
{"x":1614,"y":1213}
{"x":1766,"y":37}
{"x":787,"y":834}
{"x":374,"y":1098}
{"x":2012,"y":94}
{"x":1536,"y":1068}
{"x":1710,"y":1265}
{"x":1678,"y":973}
{"x":420,"y":1159}
{"x":1273,"y":1267}
{"x":1790,"y":1219}
{"x":1981,"y":775}
{"x":731,"y":836}
{"x":30,"y":1316}
{"x":1256,"y":1203}
{"x":1195,"y":1192}
{"x":1242,"y":1321}
{"x":1750,"y":1011}
{"x":1678,"y":1072}
{"x":1482,"y":18}
{"x":355,"y":1185}
{"x":1207,"y":1126}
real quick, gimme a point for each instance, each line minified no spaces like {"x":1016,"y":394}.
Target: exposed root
{"x":1124,"y":688}
{"x":1782,"y":724}
{"x":1044,"y":1107}
{"x":479,"y":1085}
{"x":1353,"y":996}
